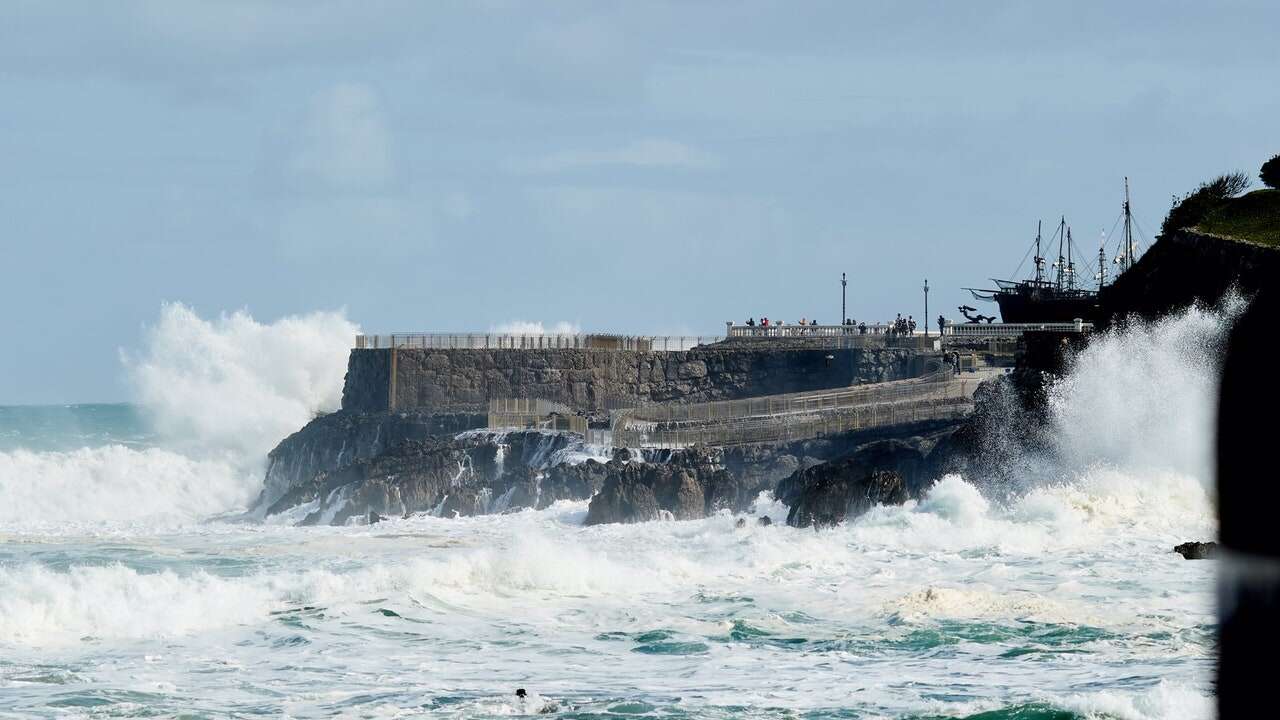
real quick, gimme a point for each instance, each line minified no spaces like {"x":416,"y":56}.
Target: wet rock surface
{"x":1197,"y":550}
{"x":349,"y":467}
{"x":332,"y":441}
{"x":680,"y":486}
{"x":469,"y":474}
{"x":883,"y":472}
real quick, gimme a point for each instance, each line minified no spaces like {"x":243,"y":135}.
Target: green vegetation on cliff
{"x":1254,"y":217}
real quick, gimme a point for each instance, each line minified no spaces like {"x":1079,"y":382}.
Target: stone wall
{"x":464,"y":380}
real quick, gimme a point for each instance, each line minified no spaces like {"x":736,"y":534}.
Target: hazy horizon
{"x":656,"y":168}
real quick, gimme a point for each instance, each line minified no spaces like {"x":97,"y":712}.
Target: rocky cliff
{"x":346,"y":466}
{"x":332,"y":441}
{"x":1188,"y":267}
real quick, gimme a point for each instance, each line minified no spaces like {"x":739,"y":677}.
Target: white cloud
{"x":647,"y":153}
{"x":346,"y":143}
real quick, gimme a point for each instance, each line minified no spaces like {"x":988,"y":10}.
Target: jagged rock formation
{"x":338,"y":439}
{"x":473,"y":473}
{"x":684,"y":485}
{"x":887,"y":472}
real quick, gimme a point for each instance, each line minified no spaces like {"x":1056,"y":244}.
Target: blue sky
{"x":628,"y":167}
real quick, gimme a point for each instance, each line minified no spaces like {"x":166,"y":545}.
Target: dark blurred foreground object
{"x":1248,"y":504}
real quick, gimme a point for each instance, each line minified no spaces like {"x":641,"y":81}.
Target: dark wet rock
{"x":375,"y":518}
{"x":471,"y":474}
{"x":883,"y":472}
{"x":671,"y":483}
{"x":624,"y":499}
{"x":338,"y":439}
{"x":740,"y":523}
{"x":764,"y":521}
{"x":412,"y":477}
{"x":1197,"y":550}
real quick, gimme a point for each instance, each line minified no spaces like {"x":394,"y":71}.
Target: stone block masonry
{"x":465,"y":380}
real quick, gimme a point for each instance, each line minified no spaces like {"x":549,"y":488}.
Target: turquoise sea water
{"x":68,"y":427}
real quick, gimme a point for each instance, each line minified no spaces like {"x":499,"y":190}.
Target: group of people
{"x":766,"y":322}
{"x":903,"y":326}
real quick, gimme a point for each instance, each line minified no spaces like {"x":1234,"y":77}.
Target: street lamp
{"x":843,"y":283}
{"x":926,"y":307}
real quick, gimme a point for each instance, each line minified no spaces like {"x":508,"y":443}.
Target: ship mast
{"x":1102,"y":262}
{"x":1062,"y":236}
{"x":1039,"y":258}
{"x":1128,"y":228}
{"x":1071,"y":267}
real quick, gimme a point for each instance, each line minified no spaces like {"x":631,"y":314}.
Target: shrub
{"x":1190,"y":209}
{"x":1270,"y":173}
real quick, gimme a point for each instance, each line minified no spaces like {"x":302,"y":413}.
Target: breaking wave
{"x":217,"y":394}
{"x":115,"y":483}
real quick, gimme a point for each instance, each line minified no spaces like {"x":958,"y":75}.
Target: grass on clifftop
{"x":1254,"y":217}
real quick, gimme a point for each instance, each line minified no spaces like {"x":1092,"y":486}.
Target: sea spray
{"x":1144,"y":395}
{"x":217,"y":395}
{"x":233,"y":386}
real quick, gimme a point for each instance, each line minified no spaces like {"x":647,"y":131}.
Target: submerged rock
{"x":1197,"y":550}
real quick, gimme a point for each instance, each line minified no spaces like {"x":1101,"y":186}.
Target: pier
{"x":752,"y":384}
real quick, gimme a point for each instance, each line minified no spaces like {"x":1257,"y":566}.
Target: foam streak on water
{"x":1064,"y":598}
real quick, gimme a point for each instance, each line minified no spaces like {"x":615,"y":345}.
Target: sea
{"x":134,"y":584}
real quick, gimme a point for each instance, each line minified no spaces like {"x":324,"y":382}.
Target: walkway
{"x":797,"y":416}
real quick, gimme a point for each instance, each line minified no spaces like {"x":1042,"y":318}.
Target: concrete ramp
{"x":799,"y":416}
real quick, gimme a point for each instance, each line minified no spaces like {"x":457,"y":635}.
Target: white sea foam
{"x":40,"y":607}
{"x":116,"y":484}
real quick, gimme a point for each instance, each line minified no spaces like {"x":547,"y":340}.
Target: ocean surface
{"x":130,"y":585}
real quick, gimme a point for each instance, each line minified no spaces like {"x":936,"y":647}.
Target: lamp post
{"x":926,"y":307}
{"x":843,"y":283}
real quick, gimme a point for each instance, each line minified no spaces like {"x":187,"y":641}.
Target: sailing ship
{"x":1057,"y":296}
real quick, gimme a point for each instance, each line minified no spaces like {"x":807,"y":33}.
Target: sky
{"x":630,"y":167}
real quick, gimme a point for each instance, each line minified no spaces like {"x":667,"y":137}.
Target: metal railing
{"x":501,"y":341}
{"x":804,"y":331}
{"x":937,"y":384}
{"x":1012,"y":329}
{"x":527,"y":413}
{"x":528,"y":406}
{"x":888,"y":332}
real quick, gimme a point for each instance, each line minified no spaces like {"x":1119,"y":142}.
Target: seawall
{"x":465,"y":380}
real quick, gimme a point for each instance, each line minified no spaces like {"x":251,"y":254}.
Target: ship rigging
{"x":1057,"y":296}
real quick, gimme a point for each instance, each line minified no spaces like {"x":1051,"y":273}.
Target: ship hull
{"x":1042,"y":305}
